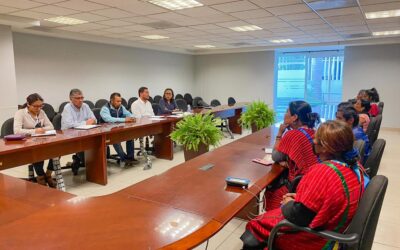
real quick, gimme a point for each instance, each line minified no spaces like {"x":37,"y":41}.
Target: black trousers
{"x":38,"y":166}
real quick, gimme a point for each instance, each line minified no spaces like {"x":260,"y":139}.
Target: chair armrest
{"x":326,"y":234}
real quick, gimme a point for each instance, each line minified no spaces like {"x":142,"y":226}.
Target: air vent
{"x":330,"y":5}
{"x":162,"y":25}
{"x":240,"y":44}
{"x":358,"y":35}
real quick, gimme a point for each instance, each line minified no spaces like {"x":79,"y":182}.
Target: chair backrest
{"x":380,"y":106}
{"x":156,"y":108}
{"x":61,"y":108}
{"x":377,"y":128}
{"x":157,"y":99}
{"x":100,"y":103}
{"x":96,"y":112}
{"x":215,"y":103}
{"x":231,"y":101}
{"x":360,"y":145}
{"x":197,"y":102}
{"x":374,"y":159}
{"x":124,"y":103}
{"x":182,"y":104}
{"x":178,"y":96}
{"x":188,"y":98}
{"x":57,"y":121}
{"x":91,"y":104}
{"x":151,"y":99}
{"x":366,"y":218}
{"x":49,"y":110}
{"x":7,"y":128}
{"x":371,"y":128}
{"x":130,"y":101}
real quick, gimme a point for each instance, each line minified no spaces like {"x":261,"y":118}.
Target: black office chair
{"x":188,"y":98}
{"x":198,"y":102}
{"x":373,"y":128}
{"x":61,"y":108}
{"x":360,"y":146}
{"x":157,"y":99}
{"x":96,"y":112}
{"x":49,"y":110}
{"x":156,"y":108}
{"x":89,"y":103}
{"x":361,"y":231}
{"x":182,"y":104}
{"x":100,"y":103}
{"x":130,"y":101}
{"x":231,"y":101}
{"x":380,"y":106}
{"x":215,"y":103}
{"x":178,"y":96}
{"x":7,"y":128}
{"x":124,"y":103}
{"x":57,"y":121}
{"x":374,"y":159}
{"x":151,"y":99}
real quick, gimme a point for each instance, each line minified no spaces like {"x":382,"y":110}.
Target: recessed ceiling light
{"x":176,"y":4}
{"x":246,"y":28}
{"x":66,"y":20}
{"x":382,"y":14}
{"x":386,"y":33}
{"x":281,"y":41}
{"x":205,"y":46}
{"x":155,"y":37}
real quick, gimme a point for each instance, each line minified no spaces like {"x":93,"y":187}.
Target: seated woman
{"x":350,"y":116}
{"x":33,"y":120}
{"x":363,"y":107}
{"x":293,"y":149}
{"x":372,"y":96}
{"x":327,"y":195}
{"x":167,"y":103}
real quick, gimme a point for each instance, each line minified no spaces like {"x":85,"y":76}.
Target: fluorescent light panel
{"x":66,"y":20}
{"x":281,"y":41}
{"x":176,"y":4}
{"x":246,"y":28}
{"x":382,"y":14}
{"x":205,"y":46}
{"x":386,"y":33}
{"x":155,"y":37}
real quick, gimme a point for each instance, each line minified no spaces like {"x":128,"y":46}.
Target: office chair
{"x":61,"y":108}
{"x":231,"y":101}
{"x":130,"y":101}
{"x":374,"y":159}
{"x":360,"y":146}
{"x":49,"y":110}
{"x":156,"y":108}
{"x":89,"y":103}
{"x":373,"y":128}
{"x":7,"y":128}
{"x":157,"y":99}
{"x":182,"y":104}
{"x":124,"y":103}
{"x":198,"y":102}
{"x":178,"y":96}
{"x":151,"y":99}
{"x":380,"y":106}
{"x":215,"y":103}
{"x":100,"y":103}
{"x":222,"y":122}
{"x":188,"y":98}
{"x":361,"y":231}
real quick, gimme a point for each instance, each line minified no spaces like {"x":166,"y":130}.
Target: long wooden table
{"x":178,"y":209}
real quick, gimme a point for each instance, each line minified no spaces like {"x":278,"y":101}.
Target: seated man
{"x":114,"y":112}
{"x":142,"y":107}
{"x":77,"y":113}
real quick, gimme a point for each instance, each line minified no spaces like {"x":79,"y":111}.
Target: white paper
{"x":268,"y":150}
{"x":47,"y":133}
{"x":86,"y":127}
{"x":157,"y":119}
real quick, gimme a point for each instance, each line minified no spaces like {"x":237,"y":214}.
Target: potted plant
{"x":196,"y":133}
{"x":257,"y":116}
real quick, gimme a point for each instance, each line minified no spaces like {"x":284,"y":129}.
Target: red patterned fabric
{"x":374,"y":111}
{"x":320,"y":190}
{"x":298,"y":148}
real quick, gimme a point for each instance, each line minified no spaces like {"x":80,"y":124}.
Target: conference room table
{"x":178,"y":209}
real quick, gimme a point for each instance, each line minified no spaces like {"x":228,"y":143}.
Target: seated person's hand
{"x":90,"y":121}
{"x":40,"y":131}
{"x":288,"y":197}
{"x":130,"y":119}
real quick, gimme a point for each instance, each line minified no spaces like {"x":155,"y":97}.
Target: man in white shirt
{"x":142,"y":106}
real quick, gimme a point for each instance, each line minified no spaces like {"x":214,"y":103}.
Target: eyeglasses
{"x":78,"y":97}
{"x":168,"y":93}
{"x":37,"y":106}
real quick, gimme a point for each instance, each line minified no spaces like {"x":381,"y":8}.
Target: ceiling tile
{"x":381,"y":7}
{"x":115,"y":22}
{"x":31,"y":14}
{"x":366,"y":2}
{"x":217,"y":18}
{"x":48,"y":1}
{"x":113,"y":13}
{"x":307,"y":22}
{"x":289,"y":9}
{"x":274,"y":3}
{"x":235,"y":6}
{"x":264,"y":20}
{"x":5,"y":9}
{"x":259,"y":13}
{"x":299,"y":16}
{"x":280,"y":24}
{"x":138,"y":7}
{"x":55,"y":10}
{"x":82,"y":27}
{"x":340,"y":12}
{"x":212,"y":2}
{"x":116,"y":30}
{"x":140,"y":19}
{"x":351,"y":28}
{"x":198,"y":12}
{"x":89,"y":17}
{"x":232,"y":24}
{"x":138,"y":27}
{"x":20,"y":4}
{"x":384,"y":20}
{"x":167,"y":16}
{"x":81,"y":5}
{"x":315,"y":27}
{"x":205,"y":27}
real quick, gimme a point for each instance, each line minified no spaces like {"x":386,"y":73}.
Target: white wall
{"x":52,"y":66}
{"x":8,"y":101}
{"x":375,"y":66}
{"x":244,"y":76}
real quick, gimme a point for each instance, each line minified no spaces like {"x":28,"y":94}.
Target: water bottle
{"x":189,"y":109}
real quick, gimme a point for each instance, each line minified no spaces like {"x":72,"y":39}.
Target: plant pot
{"x":190,"y":154}
{"x":254,"y":128}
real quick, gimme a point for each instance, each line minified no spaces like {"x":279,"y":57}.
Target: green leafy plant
{"x":257,"y":114}
{"x":195,"y":130}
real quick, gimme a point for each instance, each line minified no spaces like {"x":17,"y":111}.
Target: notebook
{"x":47,"y":133}
{"x":86,"y":127}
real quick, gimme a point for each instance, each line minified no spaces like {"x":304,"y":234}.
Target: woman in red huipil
{"x":326,"y":198}
{"x":293,"y":149}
